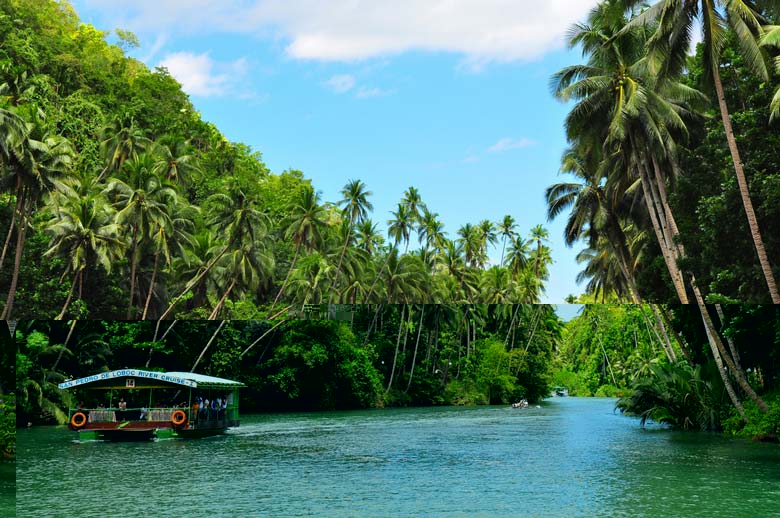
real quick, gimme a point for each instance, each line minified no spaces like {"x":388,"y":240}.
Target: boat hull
{"x":147,"y":431}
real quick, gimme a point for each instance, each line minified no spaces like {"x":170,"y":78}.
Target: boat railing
{"x":195,"y":414}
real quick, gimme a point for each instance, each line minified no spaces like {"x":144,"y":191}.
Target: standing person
{"x":120,"y":414}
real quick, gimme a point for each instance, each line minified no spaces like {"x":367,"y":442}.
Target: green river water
{"x":7,"y":489}
{"x":572,"y":457}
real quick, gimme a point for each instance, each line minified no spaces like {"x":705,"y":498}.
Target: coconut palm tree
{"x":507,"y":228}
{"x":122,"y":141}
{"x":41,"y":159}
{"x":674,"y":21}
{"x":84,"y":230}
{"x":170,"y":239}
{"x":143,"y":202}
{"x":413,"y":201}
{"x":771,"y":39}
{"x":177,"y":163}
{"x":355,"y":208}
{"x":304,"y":226}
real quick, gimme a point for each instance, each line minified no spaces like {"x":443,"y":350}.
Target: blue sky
{"x":449,"y":97}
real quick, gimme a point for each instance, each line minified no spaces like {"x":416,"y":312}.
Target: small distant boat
{"x":520,"y":404}
{"x":190,"y":418}
{"x":560,"y":391}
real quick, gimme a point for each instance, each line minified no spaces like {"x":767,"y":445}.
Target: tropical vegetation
{"x":118,"y":201}
{"x":330,"y":357}
{"x":672,"y":169}
{"x":657,"y":358}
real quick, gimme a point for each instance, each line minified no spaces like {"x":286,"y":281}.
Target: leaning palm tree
{"x":667,"y":53}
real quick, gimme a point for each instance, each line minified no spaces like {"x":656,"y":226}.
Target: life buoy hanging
{"x":79,"y":420}
{"x":178,"y":418}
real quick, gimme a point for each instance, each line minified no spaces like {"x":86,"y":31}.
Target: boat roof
{"x":148,"y":379}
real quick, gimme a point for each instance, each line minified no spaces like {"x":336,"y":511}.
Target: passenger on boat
{"x":120,"y":414}
{"x":144,"y":413}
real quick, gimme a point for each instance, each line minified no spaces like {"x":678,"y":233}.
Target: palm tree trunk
{"x":397,"y":345}
{"x":678,"y":337}
{"x":659,"y":323}
{"x":734,"y":352}
{"x":133,"y":266}
{"x":70,"y":295}
{"x":717,"y":344}
{"x":716,"y":354}
{"x":743,"y":188}
{"x":378,"y":275}
{"x":17,"y":208}
{"x":20,"y":235}
{"x":286,"y":278}
{"x":222,"y":300}
{"x":64,"y":345}
{"x":192,"y":283}
{"x":669,"y":255}
{"x":511,"y":326}
{"x":154,"y":339}
{"x":222,"y":323}
{"x":151,"y":285}
{"x":416,"y":344}
{"x":343,"y":252}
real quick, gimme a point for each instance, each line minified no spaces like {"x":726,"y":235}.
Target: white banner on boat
{"x":129,"y":373}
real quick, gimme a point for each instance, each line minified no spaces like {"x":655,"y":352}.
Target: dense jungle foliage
{"x":653,"y":193}
{"x":118,"y":201}
{"x":617,"y":350}
{"x":7,"y":397}
{"x":353,"y":357}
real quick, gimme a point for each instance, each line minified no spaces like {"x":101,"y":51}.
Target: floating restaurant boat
{"x":164,"y":405}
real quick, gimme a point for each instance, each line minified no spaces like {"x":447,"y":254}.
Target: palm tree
{"x":40,"y":160}
{"x":122,"y":141}
{"x":431,"y":230}
{"x":143,"y":202}
{"x":355,"y":207}
{"x":170,"y":239}
{"x":539,"y":235}
{"x":305,"y":226}
{"x":667,"y":53}
{"x":400,"y":227}
{"x":234,"y":216}
{"x":487,"y":235}
{"x":413,"y":201}
{"x":771,"y":38}
{"x":368,"y":238}
{"x":471,"y":240}
{"x":506,"y":227}
{"x":176,"y":160}
{"x":83,"y":229}
{"x":593,"y":210}
{"x":13,"y":132}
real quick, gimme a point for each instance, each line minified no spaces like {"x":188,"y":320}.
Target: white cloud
{"x":340,"y":83}
{"x":201,"y":76}
{"x":507,"y":143}
{"x":482,"y":31}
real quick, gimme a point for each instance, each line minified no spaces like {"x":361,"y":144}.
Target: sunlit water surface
{"x":572,"y":457}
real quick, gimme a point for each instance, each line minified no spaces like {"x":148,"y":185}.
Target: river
{"x":7,"y":488}
{"x":571,"y":457}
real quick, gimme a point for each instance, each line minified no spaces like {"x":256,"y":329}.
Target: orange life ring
{"x":178,"y":418}
{"x":78,"y":420}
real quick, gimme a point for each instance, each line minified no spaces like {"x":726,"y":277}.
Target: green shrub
{"x":757,"y":423}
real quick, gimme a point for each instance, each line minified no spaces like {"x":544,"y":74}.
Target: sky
{"x":448,"y":96}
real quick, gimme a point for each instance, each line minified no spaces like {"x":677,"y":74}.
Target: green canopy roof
{"x":135,"y":378}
